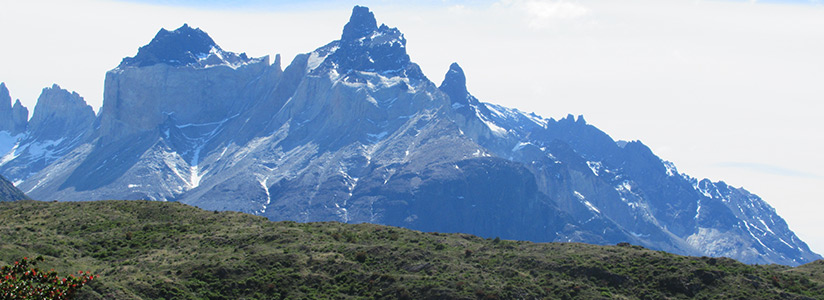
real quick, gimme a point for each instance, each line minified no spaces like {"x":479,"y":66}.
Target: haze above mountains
{"x":355,"y":132}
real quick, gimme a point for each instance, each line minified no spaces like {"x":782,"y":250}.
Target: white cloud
{"x":546,"y":13}
{"x":458,"y":8}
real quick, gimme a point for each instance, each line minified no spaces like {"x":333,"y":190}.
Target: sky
{"x":727,"y":90}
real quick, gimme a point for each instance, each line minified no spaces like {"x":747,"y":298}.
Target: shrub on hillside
{"x":23,"y":280}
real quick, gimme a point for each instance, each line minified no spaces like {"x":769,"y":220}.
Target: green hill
{"x":157,"y":250}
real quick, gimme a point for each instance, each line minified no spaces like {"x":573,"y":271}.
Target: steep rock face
{"x":61,"y":121}
{"x":354,"y":132}
{"x":140,"y":99}
{"x":180,"y":75}
{"x":473,"y":117}
{"x":454,"y":85}
{"x":13,"y":119}
{"x":19,"y":117}
{"x":13,"y":122}
{"x":60,"y":114}
{"x":161,"y":115}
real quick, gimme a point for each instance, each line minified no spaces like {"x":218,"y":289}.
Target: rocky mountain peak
{"x":361,"y":24}
{"x":181,"y":47}
{"x":5,"y":98}
{"x":366,"y":47}
{"x":60,"y":113}
{"x":18,"y":104}
{"x":12,"y":118}
{"x":19,"y":116}
{"x":570,"y":119}
{"x":454,"y":84}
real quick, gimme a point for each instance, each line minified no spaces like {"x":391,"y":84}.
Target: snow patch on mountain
{"x":671,"y":170}
{"x":496,"y":130}
{"x":595,"y":166}
{"x":263,"y":181}
{"x":217,"y":57}
{"x":8,"y":142}
{"x":520,"y":146}
{"x":180,"y":168}
{"x":317,"y":57}
{"x":8,"y":145}
{"x":374,"y":138}
{"x":512,"y":115}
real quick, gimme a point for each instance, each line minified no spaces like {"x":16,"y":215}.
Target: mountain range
{"x":355,"y":132}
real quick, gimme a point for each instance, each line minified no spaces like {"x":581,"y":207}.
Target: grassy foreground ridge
{"x":158,"y":250}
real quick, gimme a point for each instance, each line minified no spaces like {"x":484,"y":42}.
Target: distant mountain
{"x":62,"y":121}
{"x":13,"y":118}
{"x":10,"y":193}
{"x":184,"y":46}
{"x":154,"y":250}
{"x":354,"y":132}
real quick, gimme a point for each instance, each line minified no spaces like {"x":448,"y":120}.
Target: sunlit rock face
{"x":60,"y":114}
{"x":180,"y":75}
{"x":354,"y":132}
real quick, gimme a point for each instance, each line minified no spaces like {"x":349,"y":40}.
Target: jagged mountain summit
{"x":183,"y":46}
{"x":366,"y":47}
{"x":13,"y":118}
{"x":354,"y":132}
{"x":61,"y":122}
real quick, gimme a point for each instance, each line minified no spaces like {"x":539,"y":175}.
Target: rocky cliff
{"x":62,"y":121}
{"x":13,"y":118}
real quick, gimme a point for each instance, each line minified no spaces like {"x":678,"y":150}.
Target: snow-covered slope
{"x":354,"y":132}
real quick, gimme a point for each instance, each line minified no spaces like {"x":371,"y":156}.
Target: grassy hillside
{"x":155,"y":250}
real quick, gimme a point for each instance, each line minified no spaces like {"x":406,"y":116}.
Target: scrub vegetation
{"x":160,"y":250}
